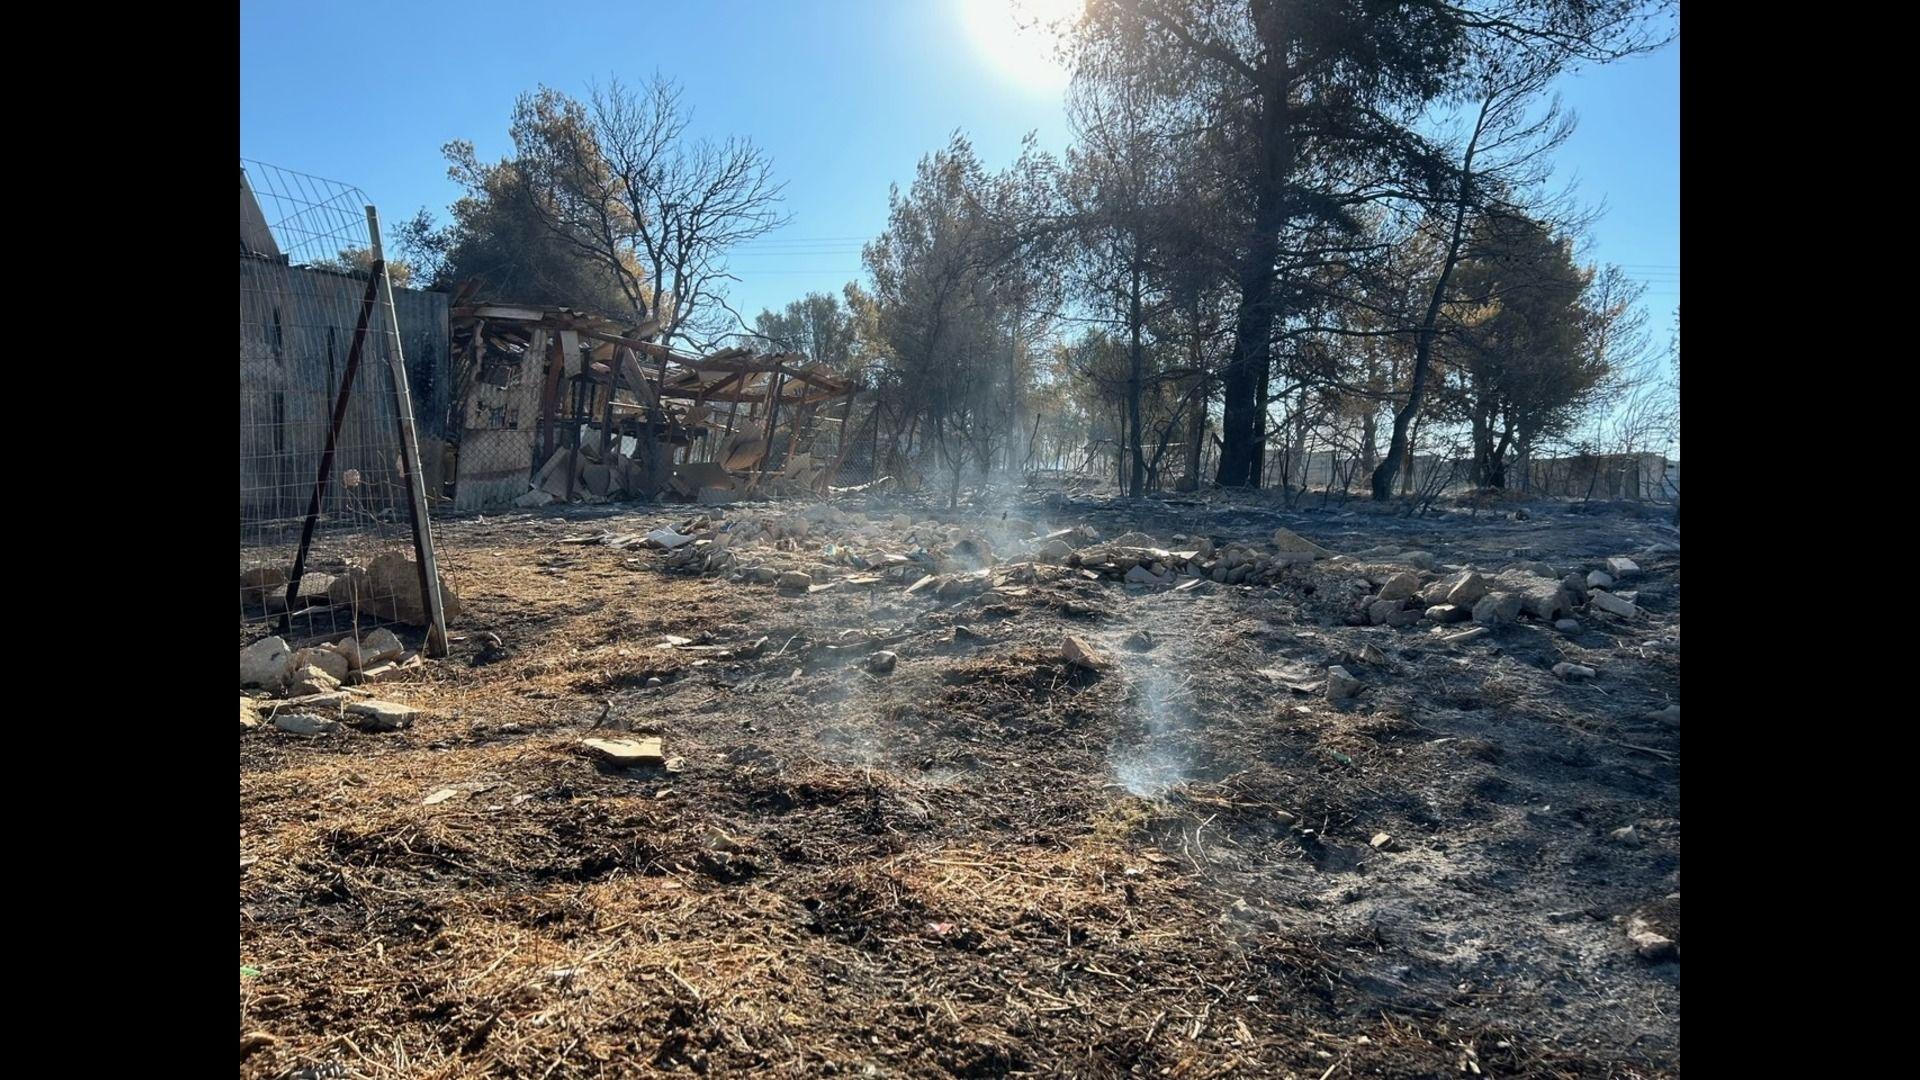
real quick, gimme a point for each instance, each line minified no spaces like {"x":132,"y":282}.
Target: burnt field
{"x":903,"y":828}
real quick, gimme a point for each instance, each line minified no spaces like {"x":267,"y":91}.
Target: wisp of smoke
{"x":1157,"y":764}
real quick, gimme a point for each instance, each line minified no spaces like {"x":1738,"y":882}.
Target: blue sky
{"x":846,"y":95}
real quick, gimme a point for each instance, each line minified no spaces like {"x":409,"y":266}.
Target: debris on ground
{"x":1115,"y":811}
{"x":627,"y":752}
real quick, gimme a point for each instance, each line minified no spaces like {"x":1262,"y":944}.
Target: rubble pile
{"x":822,"y":546}
{"x":1403,"y":589}
{"x":271,"y":665}
{"x":387,"y":588}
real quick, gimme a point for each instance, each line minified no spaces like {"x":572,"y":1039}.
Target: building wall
{"x":296,"y":330}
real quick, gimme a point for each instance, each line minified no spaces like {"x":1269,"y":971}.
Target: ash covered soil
{"x":987,"y":860}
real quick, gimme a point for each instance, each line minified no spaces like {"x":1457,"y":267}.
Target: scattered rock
{"x":1599,"y":579}
{"x":1423,"y":560}
{"x":1669,"y":716}
{"x":266,"y":662}
{"x":1468,"y":592}
{"x":1612,"y":605}
{"x":654,"y":683}
{"x":1498,"y":609}
{"x":1380,"y":610}
{"x":1447,"y":613}
{"x":882,"y":662}
{"x":1540,"y":569}
{"x":1284,"y":819}
{"x":1382,"y":842}
{"x":794,"y":581}
{"x":1140,"y":575}
{"x":1622,"y":567}
{"x":1080,"y":654}
{"x":1341,"y":684}
{"x":1140,"y":641}
{"x":1400,"y":587}
{"x":1627,"y":836}
{"x":1649,"y":944}
{"x":1568,"y":626}
{"x":249,"y":716}
{"x":310,"y":680}
{"x":328,"y":660}
{"x":393,"y":591}
{"x":1573,"y":672}
{"x":381,"y":715}
{"x":1543,"y":598}
{"x":1054,"y":550}
{"x":305,"y":724}
{"x":1292,"y":543}
{"x":626,"y":752}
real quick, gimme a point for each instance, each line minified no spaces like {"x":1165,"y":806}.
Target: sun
{"x":1020,"y":38}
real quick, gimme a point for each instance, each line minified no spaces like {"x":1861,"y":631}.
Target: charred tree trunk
{"x":1240,"y":421}
{"x":1423,"y":341}
{"x":1136,"y":374}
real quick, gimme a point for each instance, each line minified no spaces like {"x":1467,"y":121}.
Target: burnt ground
{"x":985,"y":862}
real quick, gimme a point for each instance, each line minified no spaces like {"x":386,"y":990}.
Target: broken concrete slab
{"x":1622,"y":567}
{"x":626,"y":752}
{"x":1292,"y":543}
{"x":305,"y":724}
{"x":382,"y":715}
{"x":1612,"y":605}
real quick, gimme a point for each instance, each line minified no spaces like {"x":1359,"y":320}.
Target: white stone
{"x":382,"y":715}
{"x":1612,"y":605}
{"x":309,"y":680}
{"x":305,"y":724}
{"x":1468,"y":592}
{"x":265,"y":663}
{"x":328,"y":660}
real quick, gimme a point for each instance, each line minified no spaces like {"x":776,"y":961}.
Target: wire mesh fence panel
{"x":328,"y":546}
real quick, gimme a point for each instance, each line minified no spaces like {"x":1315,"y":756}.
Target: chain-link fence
{"x":334,"y":536}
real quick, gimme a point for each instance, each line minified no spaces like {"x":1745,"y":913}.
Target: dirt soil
{"x":986,"y":861}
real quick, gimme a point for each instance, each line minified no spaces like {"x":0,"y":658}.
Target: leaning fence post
{"x":410,"y":458}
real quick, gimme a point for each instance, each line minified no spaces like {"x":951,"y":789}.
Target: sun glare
{"x":1020,"y":38}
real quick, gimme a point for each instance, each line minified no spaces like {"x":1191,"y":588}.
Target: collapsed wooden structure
{"x":558,"y":404}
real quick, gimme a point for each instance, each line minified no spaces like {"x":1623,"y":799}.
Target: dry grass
{"x":927,"y":873}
